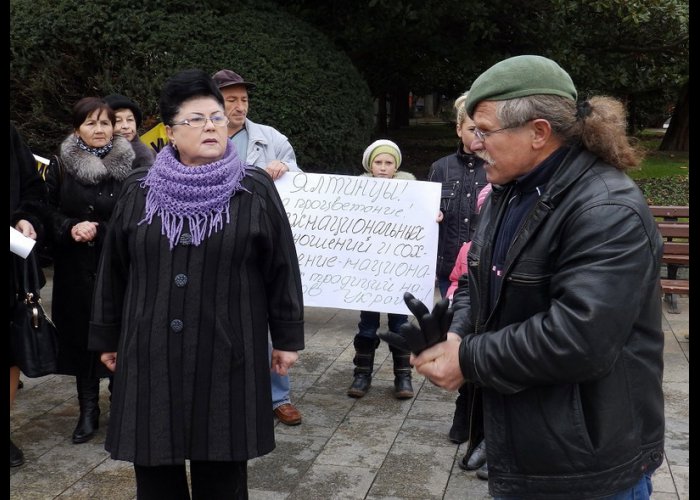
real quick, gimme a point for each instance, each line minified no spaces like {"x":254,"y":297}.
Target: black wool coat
{"x":83,"y":187}
{"x":190,"y":328}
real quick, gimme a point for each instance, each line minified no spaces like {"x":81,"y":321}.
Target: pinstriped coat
{"x":190,"y":328}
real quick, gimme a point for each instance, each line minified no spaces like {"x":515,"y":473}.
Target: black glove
{"x":432,"y":326}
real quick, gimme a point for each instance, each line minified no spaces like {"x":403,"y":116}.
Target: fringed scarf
{"x":201,"y":195}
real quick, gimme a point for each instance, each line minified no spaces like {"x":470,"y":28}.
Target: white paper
{"x":20,"y":244}
{"x":363,"y":241}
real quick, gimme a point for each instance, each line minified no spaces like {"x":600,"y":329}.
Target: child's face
{"x":465,"y":131}
{"x":384,"y":165}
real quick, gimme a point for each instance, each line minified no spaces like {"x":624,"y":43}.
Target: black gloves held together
{"x":432,"y":326}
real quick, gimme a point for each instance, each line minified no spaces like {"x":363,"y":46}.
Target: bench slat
{"x":674,"y":211}
{"x":675,"y":286}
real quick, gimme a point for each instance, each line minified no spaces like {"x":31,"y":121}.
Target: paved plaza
{"x":375,"y":447}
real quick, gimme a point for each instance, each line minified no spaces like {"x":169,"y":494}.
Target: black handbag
{"x":33,"y":336}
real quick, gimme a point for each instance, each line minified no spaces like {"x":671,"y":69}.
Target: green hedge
{"x":62,"y":50}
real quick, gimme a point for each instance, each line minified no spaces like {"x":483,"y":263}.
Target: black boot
{"x":459,"y":432}
{"x":402,"y":374}
{"x":89,"y":419}
{"x":364,"y":365}
{"x":16,"y":455}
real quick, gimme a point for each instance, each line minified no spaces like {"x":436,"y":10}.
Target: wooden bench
{"x":673,"y":224}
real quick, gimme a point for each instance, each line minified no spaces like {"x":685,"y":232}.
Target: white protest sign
{"x":363,"y":241}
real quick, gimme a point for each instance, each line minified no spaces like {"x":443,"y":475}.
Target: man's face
{"x":508,"y":153}
{"x":236,"y":104}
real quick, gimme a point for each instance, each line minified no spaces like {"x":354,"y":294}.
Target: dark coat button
{"x":176,"y":325}
{"x":180,"y":280}
{"x":185,"y":239}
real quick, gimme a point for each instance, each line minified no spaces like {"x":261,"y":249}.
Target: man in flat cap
{"x":259,"y":145}
{"x":558,"y":322}
{"x":264,"y":147}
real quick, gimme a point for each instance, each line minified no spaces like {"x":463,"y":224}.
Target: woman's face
{"x":97,"y":130}
{"x":384,"y":165}
{"x":125,"y":123}
{"x":199,"y":145}
{"x":465,"y":131}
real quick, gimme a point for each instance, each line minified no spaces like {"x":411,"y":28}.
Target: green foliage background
{"x":62,"y":50}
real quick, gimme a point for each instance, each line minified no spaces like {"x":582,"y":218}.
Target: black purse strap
{"x":30,"y":277}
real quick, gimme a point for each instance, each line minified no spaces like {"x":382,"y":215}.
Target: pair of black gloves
{"x":432,"y":326}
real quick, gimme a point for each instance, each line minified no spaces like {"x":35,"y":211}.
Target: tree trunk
{"x":381,"y":114}
{"x":677,"y":136}
{"x":399,"y":108}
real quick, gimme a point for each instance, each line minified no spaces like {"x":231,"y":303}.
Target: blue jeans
{"x":443,"y":285}
{"x":369,"y":323}
{"x":640,"y":491}
{"x":279,"y":384}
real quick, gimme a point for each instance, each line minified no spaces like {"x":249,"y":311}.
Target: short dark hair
{"x":183,"y":86}
{"x":88,"y":105}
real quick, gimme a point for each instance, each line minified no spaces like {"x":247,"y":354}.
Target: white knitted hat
{"x":389,"y":146}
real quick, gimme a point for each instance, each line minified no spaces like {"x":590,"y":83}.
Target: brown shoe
{"x":288,"y":414}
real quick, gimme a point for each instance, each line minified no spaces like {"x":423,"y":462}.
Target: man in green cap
{"x":558,"y":323}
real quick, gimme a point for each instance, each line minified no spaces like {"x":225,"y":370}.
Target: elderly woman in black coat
{"x":198,"y":263}
{"x":128,"y":118}
{"x":27,"y":198}
{"x":83,"y":183}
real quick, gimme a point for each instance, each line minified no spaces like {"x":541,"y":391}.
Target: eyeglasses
{"x":199,"y":121}
{"x":481,"y":135}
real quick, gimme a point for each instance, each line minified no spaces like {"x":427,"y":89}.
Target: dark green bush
{"x":62,"y":50}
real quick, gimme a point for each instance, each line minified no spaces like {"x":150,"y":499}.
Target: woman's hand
{"x":84,"y":231}
{"x":109,"y":359}
{"x":25,"y":227}
{"x":282,"y":361}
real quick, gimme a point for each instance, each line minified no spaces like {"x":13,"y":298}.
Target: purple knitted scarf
{"x":201,"y":195}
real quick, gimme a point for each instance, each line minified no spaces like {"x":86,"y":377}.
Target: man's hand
{"x":440,"y":363}
{"x":432,"y":326}
{"x":276,"y":169}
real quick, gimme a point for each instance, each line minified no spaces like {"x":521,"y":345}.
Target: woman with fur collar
{"x":84,"y":182}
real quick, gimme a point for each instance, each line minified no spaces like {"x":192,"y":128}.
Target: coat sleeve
{"x":111,"y":281}
{"x":282,"y":275}
{"x":459,"y":269}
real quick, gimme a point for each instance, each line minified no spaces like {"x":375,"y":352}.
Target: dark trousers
{"x":210,"y":481}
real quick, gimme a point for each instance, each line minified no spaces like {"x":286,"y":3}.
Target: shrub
{"x":62,"y":50}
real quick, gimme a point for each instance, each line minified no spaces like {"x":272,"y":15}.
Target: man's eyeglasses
{"x":481,"y":135}
{"x":199,"y":121}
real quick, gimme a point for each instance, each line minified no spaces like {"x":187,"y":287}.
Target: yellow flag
{"x":156,"y":138}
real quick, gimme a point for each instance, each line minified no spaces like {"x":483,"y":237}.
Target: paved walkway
{"x":372,"y":448}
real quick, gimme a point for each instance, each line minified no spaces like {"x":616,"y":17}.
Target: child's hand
{"x":440,"y":216}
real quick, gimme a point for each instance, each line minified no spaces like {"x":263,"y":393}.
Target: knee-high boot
{"x":364,"y":365}
{"x":402,"y":374}
{"x":88,"y":399}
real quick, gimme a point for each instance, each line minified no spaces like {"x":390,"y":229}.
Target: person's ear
{"x":542,"y":131}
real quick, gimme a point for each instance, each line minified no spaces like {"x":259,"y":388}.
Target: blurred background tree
{"x":62,"y":50}
{"x":332,"y":74}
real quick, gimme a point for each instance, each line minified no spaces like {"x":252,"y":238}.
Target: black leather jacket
{"x":462,"y":176}
{"x":569,"y":358}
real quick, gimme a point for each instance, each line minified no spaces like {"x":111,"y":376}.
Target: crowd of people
{"x":539,"y":231}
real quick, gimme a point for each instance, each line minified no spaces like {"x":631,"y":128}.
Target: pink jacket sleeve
{"x":459,"y":269}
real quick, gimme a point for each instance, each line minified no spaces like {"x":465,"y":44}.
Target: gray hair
{"x":601,"y":128}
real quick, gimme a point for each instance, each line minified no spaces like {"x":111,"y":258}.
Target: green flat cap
{"x":520,"y":76}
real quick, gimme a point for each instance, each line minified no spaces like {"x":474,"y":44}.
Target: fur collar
{"x":89,"y":169}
